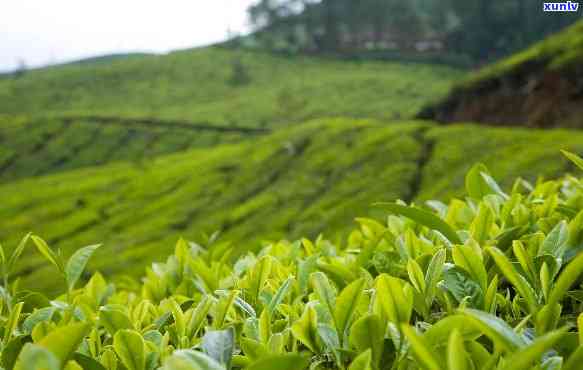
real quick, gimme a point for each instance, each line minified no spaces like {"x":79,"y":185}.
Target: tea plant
{"x":489,"y":282}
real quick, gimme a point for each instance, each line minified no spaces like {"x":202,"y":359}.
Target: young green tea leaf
{"x":77,"y":263}
{"x":515,"y":278}
{"x":48,"y":253}
{"x":190,"y":360}
{"x":396,"y":303}
{"x":346,"y":305}
{"x":496,"y":329}
{"x":130,"y":347}
{"x":362,"y":361}
{"x":219,"y":346}
{"x":424,"y":218}
{"x":578,"y":161}
{"x":64,"y":341}
{"x":421,"y":349}
{"x":35,"y":357}
{"x":368,"y":333}
{"x":456,"y":353}
{"x":531,"y":355}
{"x":306,"y":329}
{"x":290,"y":361}
{"x":566,"y":279}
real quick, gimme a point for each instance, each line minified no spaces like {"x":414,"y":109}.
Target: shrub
{"x":489,"y":282}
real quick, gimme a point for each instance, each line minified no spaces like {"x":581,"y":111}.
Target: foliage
{"x":482,"y":29}
{"x":502,"y":292}
{"x":196,"y":85}
{"x":288,"y":184}
{"x":559,"y":52}
{"x":43,"y":145}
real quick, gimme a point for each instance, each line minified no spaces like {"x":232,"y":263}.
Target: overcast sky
{"x":48,"y":31}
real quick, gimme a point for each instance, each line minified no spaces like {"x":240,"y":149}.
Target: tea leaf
{"x":64,"y":341}
{"x":362,"y":361}
{"x":130,"y":347}
{"x":368,"y":333}
{"x":219,"y":345}
{"x":424,"y":218}
{"x":578,"y":161}
{"x":496,"y":329}
{"x":280,"y":362}
{"x":456,"y":353}
{"x":51,"y":256}
{"x":421,"y":349}
{"x":36,"y":357}
{"x":190,"y":360}
{"x":524,"y":359}
{"x":77,"y":263}
{"x":518,"y":281}
{"x":346,"y":305}
{"x":566,"y":279}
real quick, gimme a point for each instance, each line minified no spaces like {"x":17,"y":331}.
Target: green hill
{"x":294,"y":182}
{"x":538,"y":87}
{"x":225,"y":87}
{"x":42,"y":145}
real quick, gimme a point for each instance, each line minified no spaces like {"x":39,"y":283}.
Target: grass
{"x":197,"y":85}
{"x":295,"y":182}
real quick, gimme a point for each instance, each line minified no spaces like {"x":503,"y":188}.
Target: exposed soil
{"x":532,"y":95}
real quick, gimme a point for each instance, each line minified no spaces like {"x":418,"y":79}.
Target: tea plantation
{"x":42,"y":145}
{"x":202,"y":85}
{"x":492,"y":282}
{"x":301,"y":181}
{"x":262,"y":163}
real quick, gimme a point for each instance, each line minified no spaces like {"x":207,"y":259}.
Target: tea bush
{"x":489,"y":282}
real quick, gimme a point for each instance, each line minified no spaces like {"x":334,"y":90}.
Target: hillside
{"x":227,"y":87}
{"x":294,"y":182}
{"x":539,"y":87}
{"x":42,"y":145}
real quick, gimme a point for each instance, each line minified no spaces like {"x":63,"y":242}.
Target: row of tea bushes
{"x":489,"y":282}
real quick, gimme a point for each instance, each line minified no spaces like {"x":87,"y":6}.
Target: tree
{"x":20,"y":69}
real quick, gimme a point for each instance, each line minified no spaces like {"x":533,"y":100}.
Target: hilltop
{"x":228,"y":87}
{"x":539,"y":87}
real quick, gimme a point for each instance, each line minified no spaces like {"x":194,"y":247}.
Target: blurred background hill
{"x":290,"y":128}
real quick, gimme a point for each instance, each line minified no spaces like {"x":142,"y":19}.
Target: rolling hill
{"x":227,"y":87}
{"x":300,"y":181}
{"x":136,"y":152}
{"x":539,"y":87}
{"x":42,"y":145}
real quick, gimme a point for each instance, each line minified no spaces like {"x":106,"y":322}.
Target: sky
{"x":41,"y":32}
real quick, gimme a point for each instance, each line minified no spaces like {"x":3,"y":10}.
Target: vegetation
{"x":482,"y":30}
{"x":38,"y":146}
{"x":301,"y":181}
{"x":489,"y":282}
{"x":197,"y":85}
{"x":538,"y":87}
{"x":558,"y":53}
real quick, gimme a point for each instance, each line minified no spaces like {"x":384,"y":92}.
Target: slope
{"x":42,"y":145}
{"x":224,"y":86}
{"x":539,"y":87}
{"x":293,"y":182}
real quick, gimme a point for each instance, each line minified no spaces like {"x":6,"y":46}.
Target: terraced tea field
{"x":197,"y":85}
{"x":300,"y":181}
{"x":32,"y":147}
